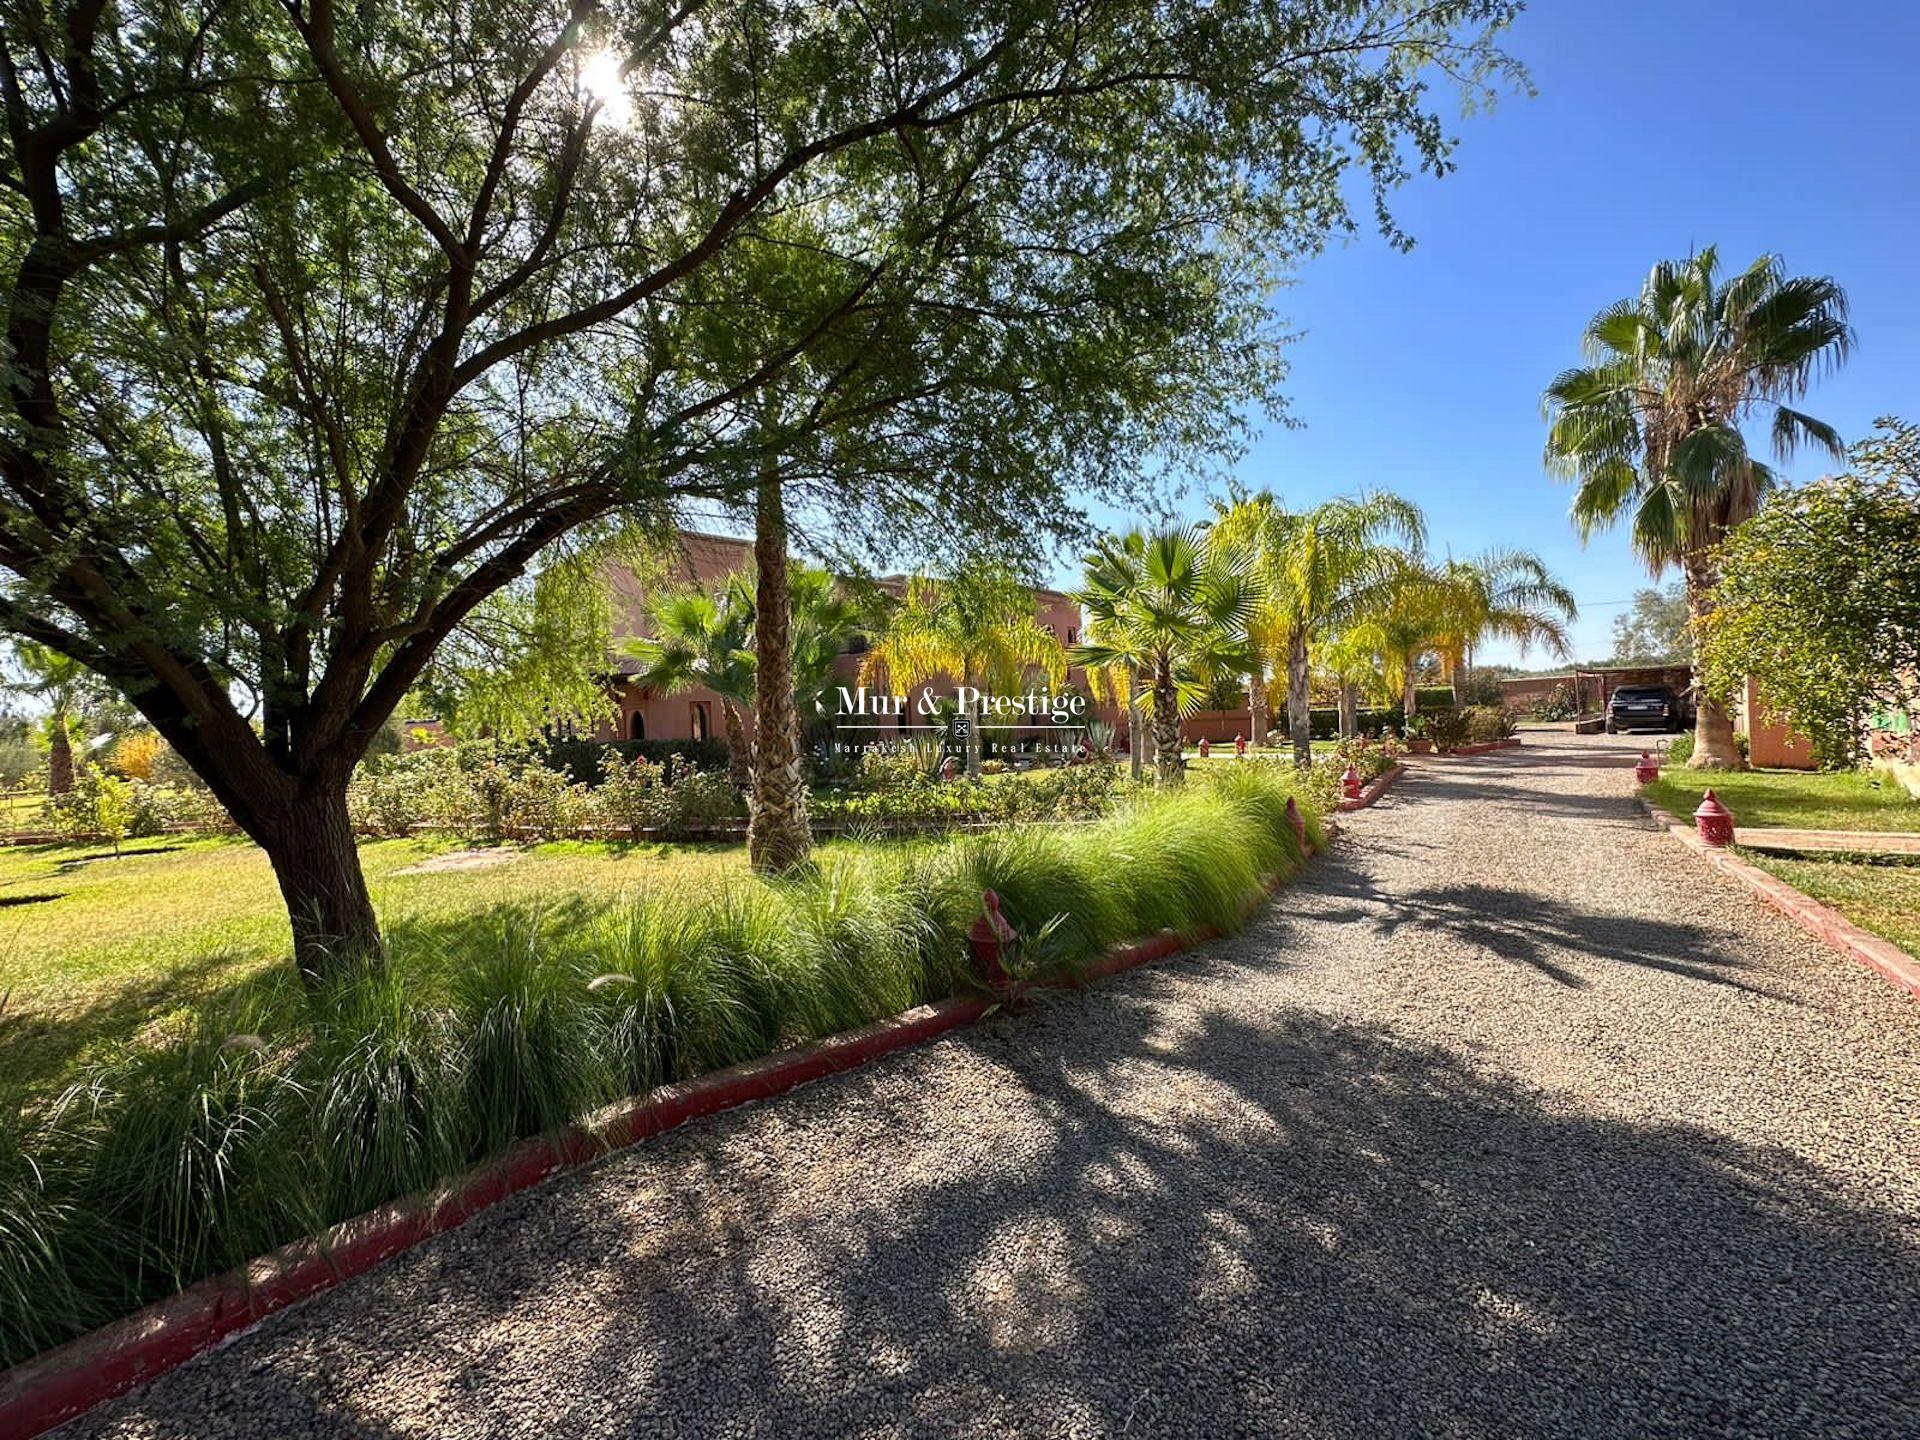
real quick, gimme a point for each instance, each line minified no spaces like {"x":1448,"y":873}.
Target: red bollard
{"x":1299,"y":823}
{"x":949,"y":768}
{"x":1714,"y":821}
{"x":1648,"y":770}
{"x":1239,"y":745}
{"x":988,"y":940}
{"x":1350,"y":783}
{"x":1204,"y":749}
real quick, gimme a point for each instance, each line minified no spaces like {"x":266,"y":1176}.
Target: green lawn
{"x":92,"y":946}
{"x":1883,"y":898}
{"x":1798,"y":799}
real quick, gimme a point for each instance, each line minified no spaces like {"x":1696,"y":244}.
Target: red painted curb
{"x":1374,"y":789}
{"x":65,"y":1382}
{"x":1823,"y":922}
{"x":1480,"y":747}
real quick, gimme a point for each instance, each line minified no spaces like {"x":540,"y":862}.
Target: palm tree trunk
{"x":1257,"y":704}
{"x":973,"y":728}
{"x":778,"y":835}
{"x":739,"y":761}
{"x":1136,"y":732}
{"x":1299,"y":720}
{"x":1167,"y":762}
{"x":1409,"y":693}
{"x":1349,"y":709}
{"x":59,"y":755}
{"x":1714,"y":746}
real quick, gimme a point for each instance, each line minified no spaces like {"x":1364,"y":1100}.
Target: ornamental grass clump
{"x":274,"y":1115}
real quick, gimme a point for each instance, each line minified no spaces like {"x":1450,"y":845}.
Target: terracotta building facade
{"x":695,"y":714}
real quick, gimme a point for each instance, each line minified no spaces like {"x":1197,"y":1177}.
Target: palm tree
{"x":977,"y":627}
{"x":1649,"y":430}
{"x":707,"y":638}
{"x":827,"y":614}
{"x":1317,"y":569}
{"x":66,"y":686}
{"x":1113,"y":574}
{"x":1174,"y":607}
{"x":1405,"y":620}
{"x":1498,"y":595}
{"x":703,"y":638}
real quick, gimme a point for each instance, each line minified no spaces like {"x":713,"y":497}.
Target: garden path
{"x":1513,"y":1118}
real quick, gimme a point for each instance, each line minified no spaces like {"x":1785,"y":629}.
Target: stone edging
{"x":1823,"y":922}
{"x":1373,"y":789}
{"x":67,"y":1381}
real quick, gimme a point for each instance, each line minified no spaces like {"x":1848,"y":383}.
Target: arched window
{"x":637,"y":726}
{"x":702,"y":725}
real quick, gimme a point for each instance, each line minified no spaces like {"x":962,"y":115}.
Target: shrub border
{"x":1823,"y":922}
{"x":64,"y":1383}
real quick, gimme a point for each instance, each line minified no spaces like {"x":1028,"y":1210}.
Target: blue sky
{"x":1660,"y":126}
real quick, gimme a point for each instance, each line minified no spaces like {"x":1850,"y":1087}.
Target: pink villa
{"x":694,"y":714}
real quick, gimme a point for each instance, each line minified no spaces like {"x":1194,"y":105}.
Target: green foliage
{"x":1485,"y":723}
{"x":1654,"y":630}
{"x":1559,"y":703}
{"x":1651,"y":432}
{"x":199,"y":1144}
{"x":1818,"y":600}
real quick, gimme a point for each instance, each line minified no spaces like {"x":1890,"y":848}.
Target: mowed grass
{"x":1883,"y":897}
{"x":1794,"y":799}
{"x":94,"y":948}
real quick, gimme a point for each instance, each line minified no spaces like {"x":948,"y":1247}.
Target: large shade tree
{"x":1173,"y":608}
{"x":324,"y":324}
{"x":1650,"y":429}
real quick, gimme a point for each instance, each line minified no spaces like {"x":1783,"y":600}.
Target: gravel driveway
{"x":1511,"y":1119}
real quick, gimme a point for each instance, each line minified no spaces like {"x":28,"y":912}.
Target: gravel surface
{"x":1511,"y":1119}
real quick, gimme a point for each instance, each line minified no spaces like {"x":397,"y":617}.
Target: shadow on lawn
{"x":1281,"y":1225}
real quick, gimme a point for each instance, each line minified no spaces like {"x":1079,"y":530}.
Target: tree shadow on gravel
{"x":1267,"y":1224}
{"x":1559,"y":940}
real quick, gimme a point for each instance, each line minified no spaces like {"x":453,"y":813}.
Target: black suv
{"x":1644,"y":707}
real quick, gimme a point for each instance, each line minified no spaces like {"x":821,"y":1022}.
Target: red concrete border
{"x":1482,"y":747}
{"x":1823,"y":922}
{"x":64,"y":1383}
{"x":1373,"y":789}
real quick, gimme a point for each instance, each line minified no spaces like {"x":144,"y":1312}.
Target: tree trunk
{"x":739,"y":763}
{"x":59,"y":755}
{"x":1168,"y":765}
{"x":1714,"y":746}
{"x":310,"y":845}
{"x":1136,"y":732}
{"x":1409,"y":695}
{"x":1349,"y":710}
{"x":1299,"y":720}
{"x":778,"y":835}
{"x":1257,"y":704}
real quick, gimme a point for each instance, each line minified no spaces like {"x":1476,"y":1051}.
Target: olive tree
{"x":325,"y":325}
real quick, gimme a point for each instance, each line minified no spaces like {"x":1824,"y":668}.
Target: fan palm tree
{"x":67,"y":688}
{"x":977,"y":627}
{"x":1650,"y":429}
{"x":707,"y":638}
{"x":1498,"y":595}
{"x":1317,"y":569}
{"x":703,"y":638}
{"x":1113,"y":574}
{"x":1174,"y":607}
